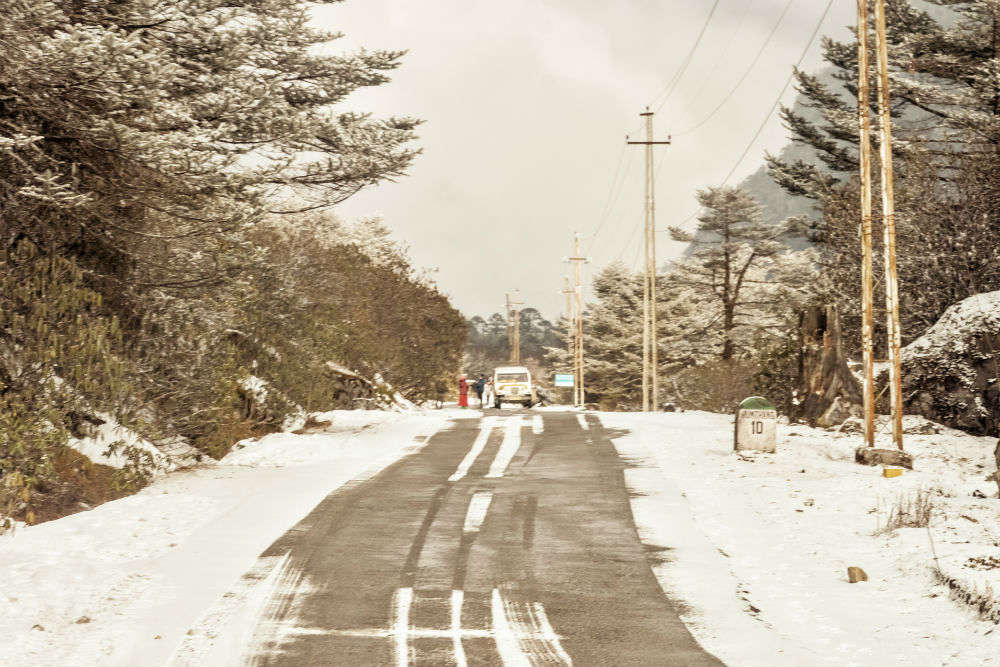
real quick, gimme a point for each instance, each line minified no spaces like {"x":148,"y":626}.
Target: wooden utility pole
{"x":650,"y":335}
{"x":570,"y":324}
{"x":889,"y":229}
{"x":510,"y":329}
{"x":867,"y":288}
{"x":579,"y":394}
{"x":514,"y":317}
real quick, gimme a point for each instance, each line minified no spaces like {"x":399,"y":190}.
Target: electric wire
{"x":777,"y":101}
{"x":760,"y":130}
{"x":628,"y":243}
{"x":723,"y":54}
{"x":638,"y":249}
{"x":682,"y":70}
{"x":614,"y":192}
{"x":746,"y":73}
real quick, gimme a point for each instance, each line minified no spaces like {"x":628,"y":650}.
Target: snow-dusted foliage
{"x":946,"y":126}
{"x":952,"y":372}
{"x":148,"y":150}
{"x":743,"y":276}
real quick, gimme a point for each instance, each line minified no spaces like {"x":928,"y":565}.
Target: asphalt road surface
{"x":504,"y":541}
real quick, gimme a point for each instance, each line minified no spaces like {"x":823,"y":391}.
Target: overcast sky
{"x":526,"y":106}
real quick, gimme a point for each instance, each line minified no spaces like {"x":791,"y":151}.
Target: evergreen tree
{"x":947,"y":118}
{"x":141,"y":136}
{"x":612,"y":332}
{"x":729,"y":263}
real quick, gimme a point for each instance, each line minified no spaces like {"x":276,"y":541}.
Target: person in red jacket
{"x":463,"y":392}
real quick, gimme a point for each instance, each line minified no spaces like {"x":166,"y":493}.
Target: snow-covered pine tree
{"x":944,"y":55}
{"x":141,"y":135}
{"x":612,"y":332}
{"x":729,"y":265}
{"x":613,"y":337}
{"x":143,"y":144}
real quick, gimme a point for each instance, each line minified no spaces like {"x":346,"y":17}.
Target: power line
{"x":628,"y":243}
{"x":672,"y":84}
{"x":723,"y":54}
{"x":777,"y":101}
{"x":746,"y":73}
{"x":760,"y":130}
{"x":614,"y":192}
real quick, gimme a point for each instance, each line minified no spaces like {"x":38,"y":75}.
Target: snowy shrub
{"x":59,"y":359}
{"x":909,"y":510}
{"x":144,"y":147}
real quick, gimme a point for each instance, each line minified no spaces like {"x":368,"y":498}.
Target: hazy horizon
{"x":526,"y":113}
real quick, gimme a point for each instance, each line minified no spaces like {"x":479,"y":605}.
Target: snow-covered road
{"x":752,"y":549}
{"x":122,"y":583}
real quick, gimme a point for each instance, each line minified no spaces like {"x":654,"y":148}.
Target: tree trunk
{"x":828,"y":392}
{"x":727,"y":332}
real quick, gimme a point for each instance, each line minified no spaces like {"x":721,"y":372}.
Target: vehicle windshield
{"x":512,"y":377}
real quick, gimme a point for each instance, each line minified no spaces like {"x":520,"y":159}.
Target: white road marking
{"x":549,"y":635}
{"x":457,"y":598}
{"x":583,"y":422}
{"x":401,"y":626}
{"x":520,"y":629}
{"x":412,"y":633}
{"x":477,"y":448}
{"x":511,"y":443}
{"x":506,"y":640}
{"x":527,"y":626}
{"x":476,"y":514}
{"x":537,"y":426}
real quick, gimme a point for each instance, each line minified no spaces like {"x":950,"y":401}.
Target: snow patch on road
{"x":537,"y":425}
{"x":756,"y":546}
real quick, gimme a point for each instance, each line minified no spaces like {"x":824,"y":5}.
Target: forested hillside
{"x":487,"y":344}
{"x":164,"y":168}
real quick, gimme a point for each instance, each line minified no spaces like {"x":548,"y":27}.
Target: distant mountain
{"x":779,"y":205}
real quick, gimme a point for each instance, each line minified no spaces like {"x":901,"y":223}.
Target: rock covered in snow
{"x":950,"y":374}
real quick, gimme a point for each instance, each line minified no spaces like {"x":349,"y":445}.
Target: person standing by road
{"x":463,"y":392}
{"x":489,"y":393}
{"x":478,"y":387}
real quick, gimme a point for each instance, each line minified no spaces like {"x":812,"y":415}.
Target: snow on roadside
{"x":328,"y":444}
{"x":96,"y":446}
{"x":758,"y":546}
{"x":122,"y":583}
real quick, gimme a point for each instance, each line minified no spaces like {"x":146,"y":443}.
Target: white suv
{"x":513,"y":385}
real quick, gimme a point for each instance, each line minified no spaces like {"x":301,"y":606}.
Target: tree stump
{"x":828,"y":393}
